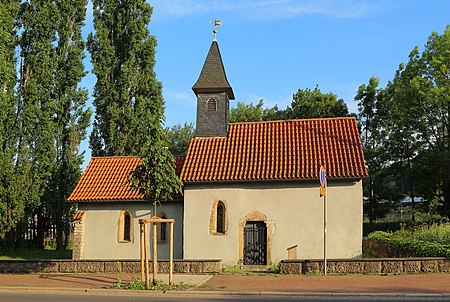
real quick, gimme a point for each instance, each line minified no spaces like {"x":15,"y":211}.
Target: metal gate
{"x":255,"y":246}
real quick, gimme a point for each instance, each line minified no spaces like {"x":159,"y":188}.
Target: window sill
{"x":125,"y":241}
{"x":218,"y":234}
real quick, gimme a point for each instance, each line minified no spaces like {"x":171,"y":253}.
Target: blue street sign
{"x":322,"y":177}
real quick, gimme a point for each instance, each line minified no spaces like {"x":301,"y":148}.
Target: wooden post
{"x":142,"y":249}
{"x":155,"y":254}
{"x":146,"y":239}
{"x":171,"y":254}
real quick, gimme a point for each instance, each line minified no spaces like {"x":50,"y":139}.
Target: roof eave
{"x":227,"y":90}
{"x":106,"y":200}
{"x":268,"y":180}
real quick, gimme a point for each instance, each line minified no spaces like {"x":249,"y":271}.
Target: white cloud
{"x":272,"y":9}
{"x":179,"y":96}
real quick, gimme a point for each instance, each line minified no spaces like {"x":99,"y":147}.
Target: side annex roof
{"x":106,"y":179}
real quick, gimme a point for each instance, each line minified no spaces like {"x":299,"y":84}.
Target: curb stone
{"x":219,"y":293}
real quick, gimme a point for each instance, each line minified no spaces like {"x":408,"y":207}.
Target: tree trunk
{"x":411,"y":190}
{"x":371,"y":205}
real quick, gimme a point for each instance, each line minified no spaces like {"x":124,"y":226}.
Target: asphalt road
{"x":50,"y":296}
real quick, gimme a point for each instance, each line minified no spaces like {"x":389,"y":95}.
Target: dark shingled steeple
{"x":212,"y":77}
{"x":213,"y":96}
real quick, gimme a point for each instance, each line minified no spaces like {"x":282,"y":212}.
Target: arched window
{"x":127,"y":227}
{"x":211,"y":105}
{"x":220,"y":227}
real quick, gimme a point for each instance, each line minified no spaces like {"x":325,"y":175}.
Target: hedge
{"x":418,"y":247}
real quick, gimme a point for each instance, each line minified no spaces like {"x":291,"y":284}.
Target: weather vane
{"x":216,"y":23}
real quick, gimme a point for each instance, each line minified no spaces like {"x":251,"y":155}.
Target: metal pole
{"x":325,"y":231}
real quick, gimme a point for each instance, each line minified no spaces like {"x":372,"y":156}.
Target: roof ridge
{"x":115,"y":156}
{"x":301,"y":119}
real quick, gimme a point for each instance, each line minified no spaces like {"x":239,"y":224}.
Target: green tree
{"x":436,"y":63}
{"x":155,"y":177}
{"x":254,"y":113}
{"x":377,"y":190}
{"x":43,"y":116}
{"x":34,"y":112}
{"x":419,"y":118}
{"x":178,"y":137}
{"x":71,"y":117}
{"x":10,"y":203}
{"x":308,"y":103}
{"x":402,"y":121}
{"x":127,"y":97}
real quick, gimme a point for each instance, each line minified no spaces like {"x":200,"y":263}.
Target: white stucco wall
{"x":294,"y":209}
{"x":101,"y":226}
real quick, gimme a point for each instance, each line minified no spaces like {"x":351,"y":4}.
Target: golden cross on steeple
{"x":216,"y":23}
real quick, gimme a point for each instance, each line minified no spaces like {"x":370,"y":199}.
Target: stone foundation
{"x":108,"y":266}
{"x":377,"y":266}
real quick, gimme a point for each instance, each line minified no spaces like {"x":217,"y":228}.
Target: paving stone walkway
{"x":414,"y":284}
{"x":427,"y":284}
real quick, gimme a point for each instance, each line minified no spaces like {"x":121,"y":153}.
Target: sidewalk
{"x":346,"y":284}
{"x":85,"y":281}
{"x":427,"y":284}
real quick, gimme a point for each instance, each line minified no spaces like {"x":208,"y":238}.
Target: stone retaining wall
{"x":384,"y":250}
{"x":212,"y":266}
{"x":367,"y":266}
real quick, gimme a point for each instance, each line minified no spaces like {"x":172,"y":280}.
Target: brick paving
{"x":221,"y":284}
{"x":413,"y":284}
{"x":83,"y":281}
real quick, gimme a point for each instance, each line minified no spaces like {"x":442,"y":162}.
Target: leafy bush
{"x":408,"y":240}
{"x":425,"y":220}
{"x":138,"y":284}
{"x":436,"y":233}
{"x":389,"y":225}
{"x":231,"y":269}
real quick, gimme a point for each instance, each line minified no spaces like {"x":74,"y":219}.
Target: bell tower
{"x":213,"y":96}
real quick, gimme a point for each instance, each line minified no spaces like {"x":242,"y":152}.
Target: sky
{"x":272,"y":48}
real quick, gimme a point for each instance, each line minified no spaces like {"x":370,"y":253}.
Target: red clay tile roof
{"x":277,"y":150}
{"x":105,"y":179}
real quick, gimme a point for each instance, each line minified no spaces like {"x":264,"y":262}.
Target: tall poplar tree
{"x":34,"y":112}
{"x":71,"y":117}
{"x":42,"y":112}
{"x":10,"y":203}
{"x":127,"y":96}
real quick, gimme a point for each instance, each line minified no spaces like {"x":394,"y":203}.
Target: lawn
{"x":34,"y":253}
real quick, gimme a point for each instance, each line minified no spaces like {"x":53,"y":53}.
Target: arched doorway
{"x":255,"y":239}
{"x":255,"y":243}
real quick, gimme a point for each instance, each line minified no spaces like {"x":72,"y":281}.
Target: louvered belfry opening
{"x":211,"y":105}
